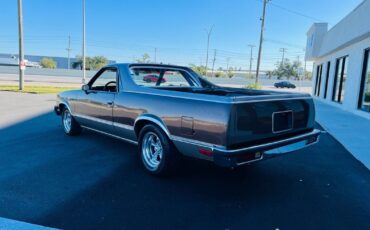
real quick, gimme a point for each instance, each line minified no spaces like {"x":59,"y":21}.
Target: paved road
{"x":94,"y":182}
{"x":75,"y":81}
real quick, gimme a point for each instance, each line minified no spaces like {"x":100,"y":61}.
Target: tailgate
{"x":258,"y":122}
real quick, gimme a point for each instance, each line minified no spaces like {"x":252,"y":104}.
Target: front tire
{"x":157,"y":153}
{"x":70,"y":125}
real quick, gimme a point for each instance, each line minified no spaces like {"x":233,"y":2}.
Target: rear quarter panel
{"x":210,"y":118}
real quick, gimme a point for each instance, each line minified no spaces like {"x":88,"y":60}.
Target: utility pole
{"x":305,"y":65}
{"x":283,"y":50}
{"x":83,"y":43}
{"x":299,"y":72}
{"x":155,"y":55}
{"x":21,"y":63}
{"x":69,"y":51}
{"x":209,"y":32}
{"x":261,"y":38}
{"x":251,"y":60}
{"x":227,"y":63}
{"x":214,"y":61}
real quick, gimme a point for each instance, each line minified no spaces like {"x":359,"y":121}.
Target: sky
{"x":123,"y":30}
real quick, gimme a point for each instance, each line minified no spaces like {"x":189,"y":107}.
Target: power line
{"x":284,"y":43}
{"x":295,"y":12}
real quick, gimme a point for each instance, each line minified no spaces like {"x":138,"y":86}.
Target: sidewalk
{"x":13,"y":224}
{"x":352,"y":131}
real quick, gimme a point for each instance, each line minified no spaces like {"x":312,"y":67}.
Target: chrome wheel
{"x":152,"y":150}
{"x":67,"y":121}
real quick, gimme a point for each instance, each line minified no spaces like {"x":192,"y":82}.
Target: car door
{"x":94,"y":108}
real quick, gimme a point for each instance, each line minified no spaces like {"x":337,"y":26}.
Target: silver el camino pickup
{"x":169,"y":111}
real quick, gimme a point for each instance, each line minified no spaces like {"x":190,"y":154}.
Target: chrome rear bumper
{"x":236,"y":157}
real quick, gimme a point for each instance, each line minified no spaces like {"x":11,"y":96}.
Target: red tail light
{"x":206,"y":152}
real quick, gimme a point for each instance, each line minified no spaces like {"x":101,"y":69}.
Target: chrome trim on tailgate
{"x":268,"y":146}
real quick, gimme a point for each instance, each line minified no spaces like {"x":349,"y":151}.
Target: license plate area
{"x":282,"y":121}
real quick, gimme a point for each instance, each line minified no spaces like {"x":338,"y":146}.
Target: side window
{"x":106,"y":81}
{"x":145,"y":77}
{"x":174,"y":79}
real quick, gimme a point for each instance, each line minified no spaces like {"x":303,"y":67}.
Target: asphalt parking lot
{"x":95,"y":182}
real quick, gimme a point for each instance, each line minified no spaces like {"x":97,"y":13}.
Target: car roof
{"x":128,"y":65}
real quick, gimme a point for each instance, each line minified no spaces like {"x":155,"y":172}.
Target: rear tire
{"x":70,"y":125}
{"x":157,"y":153}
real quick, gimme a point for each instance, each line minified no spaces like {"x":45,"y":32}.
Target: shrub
{"x":219,"y":74}
{"x":254,"y":86}
{"x":230,"y":73}
{"x":48,"y":63}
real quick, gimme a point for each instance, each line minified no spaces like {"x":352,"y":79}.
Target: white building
{"x":341,"y":56}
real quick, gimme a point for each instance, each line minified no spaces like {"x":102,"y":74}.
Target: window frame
{"x":344,"y":60}
{"x":365,"y":64}
{"x":98,"y":74}
{"x":186,"y":75}
{"x":328,"y":66}
{"x":318,"y":80}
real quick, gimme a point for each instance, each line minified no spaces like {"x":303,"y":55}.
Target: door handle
{"x":110,"y":103}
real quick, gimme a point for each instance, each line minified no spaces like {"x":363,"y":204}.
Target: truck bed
{"x":260,"y":116}
{"x":228,"y":92}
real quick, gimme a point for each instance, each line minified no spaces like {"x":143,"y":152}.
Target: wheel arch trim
{"x":153,"y":119}
{"x":64,"y":103}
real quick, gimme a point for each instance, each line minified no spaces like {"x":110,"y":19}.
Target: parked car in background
{"x":187,"y":116}
{"x":153,"y":78}
{"x":285,"y":84}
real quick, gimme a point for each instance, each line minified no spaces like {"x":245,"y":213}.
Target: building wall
{"x":355,"y":62}
{"x":355,"y":26}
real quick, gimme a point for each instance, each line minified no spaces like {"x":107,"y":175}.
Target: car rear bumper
{"x":236,"y":157}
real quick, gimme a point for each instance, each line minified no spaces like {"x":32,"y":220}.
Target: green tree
{"x":144,"y":59}
{"x":92,"y":63}
{"x":201,"y":70}
{"x":287,"y":69}
{"x":48,"y":63}
{"x":269,"y":74}
{"x":308,"y":75}
{"x":98,"y":62}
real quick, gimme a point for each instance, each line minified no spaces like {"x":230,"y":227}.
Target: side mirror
{"x":85,"y":88}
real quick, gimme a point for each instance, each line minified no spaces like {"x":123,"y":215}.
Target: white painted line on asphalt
{"x":8,"y":224}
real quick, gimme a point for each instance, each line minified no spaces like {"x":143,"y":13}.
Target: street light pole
{"x":209,"y":32}
{"x":214,"y":61}
{"x":83,"y":43}
{"x":21,"y":54}
{"x":261,"y":39}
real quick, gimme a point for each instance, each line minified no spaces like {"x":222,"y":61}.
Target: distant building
{"x":11,"y":60}
{"x":341,"y":56}
{"x":34,"y":60}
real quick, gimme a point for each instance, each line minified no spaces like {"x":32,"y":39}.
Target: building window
{"x":327,"y":79}
{"x":364,"y":102}
{"x":318,"y":80}
{"x":340,"y":80}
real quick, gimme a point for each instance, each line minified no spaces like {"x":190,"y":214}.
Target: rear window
{"x":151,"y":77}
